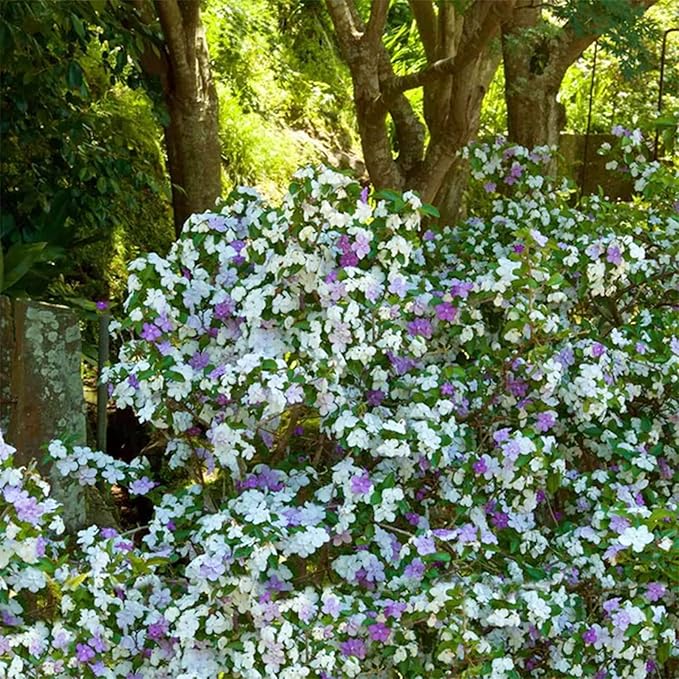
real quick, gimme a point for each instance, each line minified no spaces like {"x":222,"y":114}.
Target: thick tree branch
{"x":348,"y":34}
{"x":425,"y":18}
{"x":376,"y":22}
{"x":171,"y":21}
{"x":572,"y":43}
{"x":472,"y":47}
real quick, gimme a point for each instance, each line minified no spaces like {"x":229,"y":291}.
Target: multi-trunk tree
{"x":462,"y":54}
{"x":463,"y":44}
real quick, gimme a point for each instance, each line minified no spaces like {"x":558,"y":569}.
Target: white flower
{"x":637,"y":538}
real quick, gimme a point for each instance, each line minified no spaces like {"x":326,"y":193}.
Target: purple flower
{"x":212,"y":568}
{"x":361,"y":246}
{"x":374,"y":397}
{"x":413,"y":519}
{"x":489,"y":187}
{"x":516,"y":386}
{"x":500,"y":520}
{"x":664,"y":468}
{"x":590,"y":636}
{"x":108,"y":533}
{"x":425,"y":545}
{"x":613,"y":255}
{"x":395,"y":609}
{"x":461,"y":288}
{"x":501,"y":435}
{"x":545,"y":421}
{"x":344,"y":244}
{"x":331,"y":606}
{"x":398,"y":286}
{"x":164,"y":347}
{"x":655,"y":591}
{"x":225,"y":309}
{"x":447,"y":389}
{"x":480,"y":466}
{"x":379,"y":632}
{"x":9,"y":619}
{"x":98,"y":668}
{"x":597,"y":349}
{"x":446,"y":312}
{"x":142,"y":486}
{"x":401,"y":364}
{"x":98,"y":644}
{"x":199,"y":360}
{"x":515,"y":172}
{"x":217,"y":222}
{"x":349,"y":259}
{"x":29,"y":509}
{"x":415,"y":569}
{"x":124,"y":546}
{"x":84,"y":653}
{"x":157,"y":630}
{"x":621,"y":620}
{"x":164,"y":323}
{"x":512,"y":450}
{"x":361,"y":484}
{"x":150,"y":332}
{"x":102,"y":305}
{"x":353,"y":647}
{"x":364,"y":194}
{"x":467,"y":533}
{"x":518,"y":248}
{"x":420,"y":327}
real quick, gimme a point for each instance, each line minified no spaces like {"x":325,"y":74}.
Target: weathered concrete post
{"x":41,"y":392}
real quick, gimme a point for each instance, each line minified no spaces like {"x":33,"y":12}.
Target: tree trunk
{"x":535,"y":63}
{"x":193,"y":155}
{"x":461,"y":60}
{"x":532,"y":80}
{"x":535,"y":117}
{"x":192,"y":133}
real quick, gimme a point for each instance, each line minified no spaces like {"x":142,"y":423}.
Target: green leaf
{"x":74,"y":75}
{"x":430,"y":210}
{"x":75,"y":581}
{"x":78,"y":27}
{"x":18,"y":262}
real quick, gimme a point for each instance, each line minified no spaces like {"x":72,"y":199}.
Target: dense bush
{"x":415,"y":452}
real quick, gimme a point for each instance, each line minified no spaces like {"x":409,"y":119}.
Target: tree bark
{"x":192,"y":133}
{"x":535,"y":65}
{"x":460,"y":63}
{"x":193,"y":154}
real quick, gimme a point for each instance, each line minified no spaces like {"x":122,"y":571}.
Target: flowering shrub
{"x":411,"y":452}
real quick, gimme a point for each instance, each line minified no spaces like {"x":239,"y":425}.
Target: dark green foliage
{"x":80,"y":154}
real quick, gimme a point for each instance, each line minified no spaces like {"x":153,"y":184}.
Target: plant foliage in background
{"x":80,"y":156}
